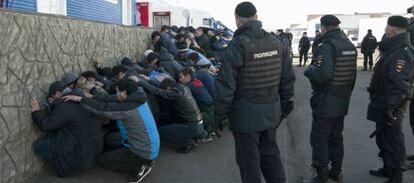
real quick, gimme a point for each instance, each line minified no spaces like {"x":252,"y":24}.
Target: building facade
{"x":109,"y":11}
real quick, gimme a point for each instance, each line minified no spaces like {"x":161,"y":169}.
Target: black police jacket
{"x":391,"y":83}
{"x":332,"y":75}
{"x":247,"y":115}
{"x":369,"y":44}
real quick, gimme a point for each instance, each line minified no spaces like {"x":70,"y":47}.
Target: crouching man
{"x":73,"y":137}
{"x":138,"y":132}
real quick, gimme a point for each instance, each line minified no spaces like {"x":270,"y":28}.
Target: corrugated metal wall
{"x":100,"y":10}
{"x":29,"y":5}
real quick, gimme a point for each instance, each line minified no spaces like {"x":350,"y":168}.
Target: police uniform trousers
{"x":412,"y":115}
{"x":257,"y":154}
{"x":327,"y":141}
{"x":390,"y":141}
{"x":368,"y":60}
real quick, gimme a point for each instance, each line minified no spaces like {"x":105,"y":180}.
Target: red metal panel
{"x":143,"y":9}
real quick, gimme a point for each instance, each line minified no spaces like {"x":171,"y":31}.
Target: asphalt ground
{"x":215,"y":162}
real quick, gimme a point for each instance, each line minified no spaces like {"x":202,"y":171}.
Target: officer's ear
{"x":256,"y":17}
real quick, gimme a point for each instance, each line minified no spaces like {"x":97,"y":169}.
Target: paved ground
{"x":215,"y":163}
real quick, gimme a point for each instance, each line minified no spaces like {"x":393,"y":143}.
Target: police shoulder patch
{"x":400,"y":65}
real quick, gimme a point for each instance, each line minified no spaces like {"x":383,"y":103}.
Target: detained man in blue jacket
{"x":138,"y":132}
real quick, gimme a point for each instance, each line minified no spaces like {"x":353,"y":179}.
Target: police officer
{"x":410,"y":29}
{"x":253,"y":88}
{"x":368,"y":46}
{"x":389,"y":90}
{"x":332,"y":76}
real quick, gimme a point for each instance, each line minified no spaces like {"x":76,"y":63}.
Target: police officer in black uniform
{"x":390,"y":90}
{"x":254,"y":89}
{"x":332,"y":76}
{"x":410,"y":29}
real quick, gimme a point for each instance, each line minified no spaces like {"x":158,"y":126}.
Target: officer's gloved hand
{"x":287,"y":108}
{"x":218,"y":124}
{"x":390,"y":116}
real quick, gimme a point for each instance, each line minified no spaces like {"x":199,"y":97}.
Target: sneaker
{"x":139,"y":174}
{"x":204,"y":140}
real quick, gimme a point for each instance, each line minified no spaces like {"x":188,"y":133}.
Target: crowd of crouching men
{"x":115,"y":117}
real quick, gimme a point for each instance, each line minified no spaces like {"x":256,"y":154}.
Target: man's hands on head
{"x":73,"y":98}
{"x":35,"y":105}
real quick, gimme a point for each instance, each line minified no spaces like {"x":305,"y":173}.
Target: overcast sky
{"x":280,"y":14}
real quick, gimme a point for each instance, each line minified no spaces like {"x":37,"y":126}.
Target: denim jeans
{"x":43,"y":147}
{"x":181,"y":133}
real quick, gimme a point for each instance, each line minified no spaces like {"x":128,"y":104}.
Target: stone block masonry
{"x":35,"y":50}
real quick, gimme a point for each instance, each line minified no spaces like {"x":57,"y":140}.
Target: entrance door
{"x":160,"y":19}
{"x":143,"y":10}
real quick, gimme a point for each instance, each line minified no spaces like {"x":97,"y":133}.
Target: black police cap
{"x":398,"y":21}
{"x":330,"y":20}
{"x":245,"y":9}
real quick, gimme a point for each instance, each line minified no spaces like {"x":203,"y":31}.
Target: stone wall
{"x":35,"y":50}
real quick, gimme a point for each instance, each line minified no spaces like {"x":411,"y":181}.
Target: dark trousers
{"x":43,"y":147}
{"x":390,"y":141}
{"x":113,"y":141}
{"x":327,"y":141}
{"x":368,"y":59}
{"x":257,"y":154}
{"x":121,"y":160}
{"x":181,"y":133}
{"x":304,"y":55}
{"x":208,"y":117}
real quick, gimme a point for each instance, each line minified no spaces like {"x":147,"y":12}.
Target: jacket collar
{"x":330,"y":34}
{"x":249,"y":25}
{"x":398,"y":41}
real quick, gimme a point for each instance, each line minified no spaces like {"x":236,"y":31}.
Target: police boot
{"x":335,"y":172}
{"x":382,"y":172}
{"x":322,"y":175}
{"x":396,"y":176}
{"x":410,"y":158}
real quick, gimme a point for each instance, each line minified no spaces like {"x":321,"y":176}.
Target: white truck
{"x":155,"y":13}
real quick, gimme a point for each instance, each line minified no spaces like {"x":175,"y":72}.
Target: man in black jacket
{"x":304,"y":46}
{"x":73,"y":139}
{"x":368,"y":46}
{"x":189,"y":124}
{"x":163,"y":40}
{"x":202,"y":40}
{"x":390,"y":90}
{"x":332,"y":76}
{"x":254,"y":89}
